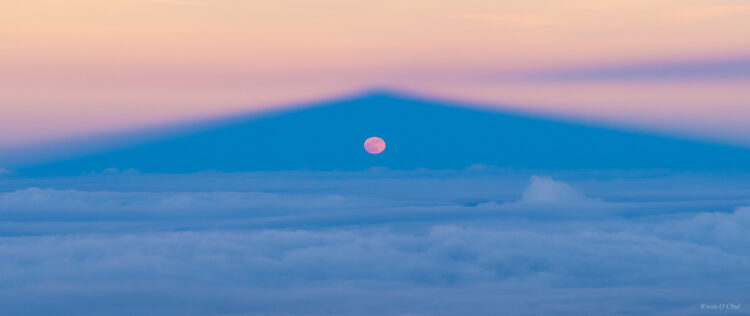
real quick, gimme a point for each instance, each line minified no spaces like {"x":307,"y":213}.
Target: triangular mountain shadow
{"x":418,"y":133}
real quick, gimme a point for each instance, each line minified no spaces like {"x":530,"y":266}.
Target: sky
{"x":478,"y":241}
{"x":82,"y":67}
{"x":178,"y":227}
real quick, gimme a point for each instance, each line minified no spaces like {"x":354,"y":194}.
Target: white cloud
{"x":386,"y":242}
{"x":546,"y":190}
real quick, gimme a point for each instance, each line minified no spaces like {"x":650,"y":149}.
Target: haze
{"x":82,"y":67}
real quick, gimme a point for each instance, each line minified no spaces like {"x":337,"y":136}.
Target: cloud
{"x":386,"y":242}
{"x":203,"y":271}
{"x":706,"y":69}
{"x":546,"y":190}
{"x":548,"y":199}
{"x":725,"y":231}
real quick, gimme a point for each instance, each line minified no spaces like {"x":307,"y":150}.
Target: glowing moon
{"x":374,"y":145}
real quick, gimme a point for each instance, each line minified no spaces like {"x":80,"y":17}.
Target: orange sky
{"x":77,"y":67}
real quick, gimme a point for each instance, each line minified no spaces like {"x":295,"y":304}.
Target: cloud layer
{"x":706,"y":70}
{"x":480,"y":242}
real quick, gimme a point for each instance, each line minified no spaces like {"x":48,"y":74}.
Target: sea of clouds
{"x":481,"y":241}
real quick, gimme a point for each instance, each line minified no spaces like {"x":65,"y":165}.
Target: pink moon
{"x":374,"y":145}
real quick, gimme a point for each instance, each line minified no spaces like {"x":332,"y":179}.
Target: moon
{"x":374,"y":145}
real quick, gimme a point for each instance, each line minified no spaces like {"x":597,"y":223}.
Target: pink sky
{"x":78,"y":67}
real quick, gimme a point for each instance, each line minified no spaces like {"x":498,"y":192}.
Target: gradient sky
{"x":77,"y":67}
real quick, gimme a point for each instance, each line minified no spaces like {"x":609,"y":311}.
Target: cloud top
{"x":547,"y":190}
{"x":386,"y":242}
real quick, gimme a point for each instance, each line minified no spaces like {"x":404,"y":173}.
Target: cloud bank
{"x":735,"y":69}
{"x":480,"y":242}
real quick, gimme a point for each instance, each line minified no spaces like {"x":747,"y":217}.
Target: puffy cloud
{"x":546,"y":190}
{"x":725,"y":231}
{"x":387,"y":242}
